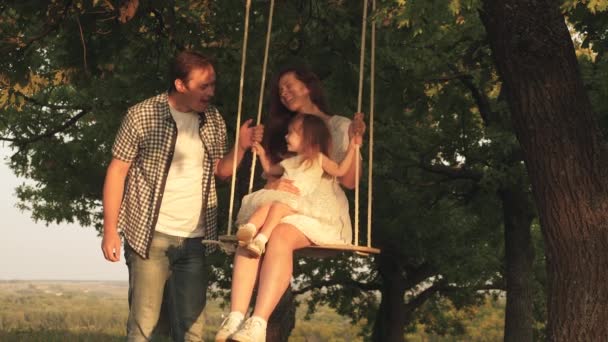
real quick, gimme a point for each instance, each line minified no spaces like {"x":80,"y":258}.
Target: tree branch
{"x":49,"y":133}
{"x":84,"y":46}
{"x":452,"y":172}
{"x":42,"y":104}
{"x":423,"y":296}
{"x":481,"y":100}
{"x":329,"y":283}
{"x":48,"y":30}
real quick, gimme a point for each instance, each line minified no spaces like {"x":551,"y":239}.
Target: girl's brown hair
{"x":316,"y":137}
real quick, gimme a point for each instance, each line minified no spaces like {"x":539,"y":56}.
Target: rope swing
{"x":228,"y":242}
{"x":238,"y":113}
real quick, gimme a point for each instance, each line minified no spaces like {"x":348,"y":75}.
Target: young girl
{"x":309,"y":138}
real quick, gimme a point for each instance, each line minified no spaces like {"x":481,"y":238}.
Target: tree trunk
{"x":283,"y":319}
{"x":390,"y":319}
{"x":566,"y":161}
{"x":519,"y":258}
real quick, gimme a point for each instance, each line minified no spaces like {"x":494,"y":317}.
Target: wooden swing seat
{"x":228,"y":244}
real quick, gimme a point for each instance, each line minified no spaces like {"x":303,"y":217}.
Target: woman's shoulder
{"x":339,"y":119}
{"x":338,"y":122}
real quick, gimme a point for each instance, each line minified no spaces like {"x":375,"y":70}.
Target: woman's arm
{"x":356,"y":129}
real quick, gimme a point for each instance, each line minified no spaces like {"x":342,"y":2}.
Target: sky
{"x":34,"y":251}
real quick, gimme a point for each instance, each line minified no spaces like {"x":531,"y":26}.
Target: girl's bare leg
{"x":274,"y":215}
{"x":246,"y":232}
{"x":244,"y":276}
{"x":277,"y":267}
{"x":259,"y":215}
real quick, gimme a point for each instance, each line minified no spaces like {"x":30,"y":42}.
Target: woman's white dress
{"x":322,"y":208}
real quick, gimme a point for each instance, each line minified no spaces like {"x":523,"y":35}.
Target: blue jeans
{"x":177,"y":265}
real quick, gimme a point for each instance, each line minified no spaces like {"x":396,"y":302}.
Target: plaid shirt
{"x":146,"y":139}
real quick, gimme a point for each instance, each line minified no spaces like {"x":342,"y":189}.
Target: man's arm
{"x":224,"y":166}
{"x":247,"y":136}
{"x":112,"y":197}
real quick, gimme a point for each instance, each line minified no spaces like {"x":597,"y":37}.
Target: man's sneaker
{"x":256,"y":248}
{"x":245,"y":233}
{"x":253,"y":330}
{"x":228,"y":327}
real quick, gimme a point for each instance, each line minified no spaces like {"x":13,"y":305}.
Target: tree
{"x":565,"y":157}
{"x":438,"y":218}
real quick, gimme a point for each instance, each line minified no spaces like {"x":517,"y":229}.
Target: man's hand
{"x":110,"y":245}
{"x":248,"y":135}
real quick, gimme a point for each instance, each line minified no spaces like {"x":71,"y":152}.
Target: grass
{"x":97,"y":311}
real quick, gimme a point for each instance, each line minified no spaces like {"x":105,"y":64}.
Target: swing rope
{"x":372,"y":73}
{"x":238,"y":115}
{"x":359,"y":105}
{"x":261,"y":100}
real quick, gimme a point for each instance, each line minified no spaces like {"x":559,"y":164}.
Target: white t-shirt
{"x":182,"y":203}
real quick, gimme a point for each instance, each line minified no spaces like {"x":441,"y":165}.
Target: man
{"x":160,"y":194}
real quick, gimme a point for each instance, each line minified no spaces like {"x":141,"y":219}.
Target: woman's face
{"x":293,"y":93}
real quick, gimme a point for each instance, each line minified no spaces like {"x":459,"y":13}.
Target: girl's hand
{"x":257,"y":148}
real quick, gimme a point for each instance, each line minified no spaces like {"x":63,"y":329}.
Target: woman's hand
{"x":282,"y":184}
{"x":356,"y":129}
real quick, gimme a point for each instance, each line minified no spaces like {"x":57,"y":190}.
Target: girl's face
{"x":294,"y":137}
{"x":293,"y":93}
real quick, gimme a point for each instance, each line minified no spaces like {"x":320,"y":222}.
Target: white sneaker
{"x":256,"y":248}
{"x":245,"y":233}
{"x":228,"y":327}
{"x":253,"y":330}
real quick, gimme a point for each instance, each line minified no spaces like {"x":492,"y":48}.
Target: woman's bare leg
{"x":277,"y":267}
{"x":244,"y":275}
{"x":274,"y":215}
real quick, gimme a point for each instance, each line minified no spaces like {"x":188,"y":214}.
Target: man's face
{"x":198,"y":89}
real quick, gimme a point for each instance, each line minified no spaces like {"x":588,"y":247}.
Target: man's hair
{"x":183,"y":63}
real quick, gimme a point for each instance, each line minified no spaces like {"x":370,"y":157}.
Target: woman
{"x":294,"y":91}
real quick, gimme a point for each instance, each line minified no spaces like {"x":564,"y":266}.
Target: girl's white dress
{"x":322,"y":208}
